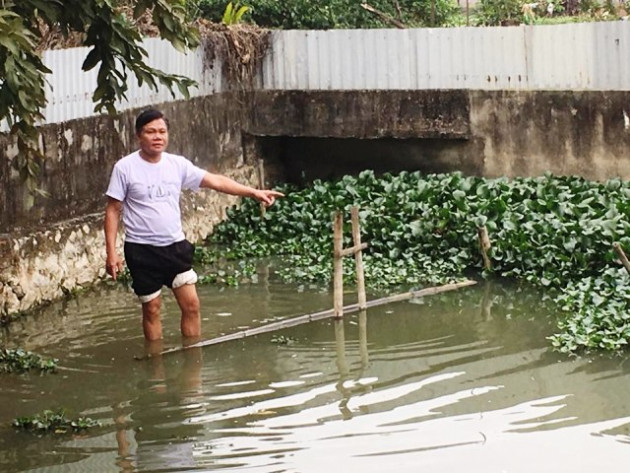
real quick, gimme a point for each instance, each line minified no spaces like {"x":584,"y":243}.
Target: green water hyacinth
{"x":54,"y":421}
{"x":21,"y":361}
{"x":554,"y":232}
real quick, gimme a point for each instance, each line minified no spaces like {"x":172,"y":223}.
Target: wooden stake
{"x":261,"y":184}
{"x":363,"y":346}
{"x":484,"y":245}
{"x":340,"y":346}
{"x":358,"y":257}
{"x":338,"y":264}
{"x":622,"y":256}
{"x":302,"y":319}
{"x":486,"y":302}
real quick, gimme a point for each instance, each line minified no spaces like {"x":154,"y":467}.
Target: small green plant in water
{"x":230,"y":276}
{"x":282,"y":340}
{"x":21,"y":361}
{"x":205,"y":255}
{"x":54,"y":421}
{"x":233,"y":13}
{"x":124,"y":277}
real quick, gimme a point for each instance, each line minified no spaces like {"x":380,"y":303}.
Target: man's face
{"x":153,"y":138}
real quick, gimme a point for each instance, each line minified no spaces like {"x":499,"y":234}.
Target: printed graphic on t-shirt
{"x":143,"y":192}
{"x":160,"y":191}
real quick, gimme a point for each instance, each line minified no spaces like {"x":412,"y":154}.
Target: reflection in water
{"x":462,"y":381}
{"x":178,"y":396}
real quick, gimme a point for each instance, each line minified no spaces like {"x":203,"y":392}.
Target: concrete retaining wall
{"x":50,"y":247}
{"x":486,"y":133}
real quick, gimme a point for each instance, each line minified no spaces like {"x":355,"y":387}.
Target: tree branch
{"x":398,"y":10}
{"x":386,"y":18}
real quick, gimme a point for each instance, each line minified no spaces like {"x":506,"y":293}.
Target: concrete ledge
{"x":365,"y":114}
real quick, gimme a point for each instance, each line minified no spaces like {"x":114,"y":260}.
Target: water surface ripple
{"x":463,"y":381}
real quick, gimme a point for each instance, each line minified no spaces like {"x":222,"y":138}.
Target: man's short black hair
{"x":147,"y":116}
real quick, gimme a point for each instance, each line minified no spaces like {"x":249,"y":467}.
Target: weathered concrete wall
{"x":52,"y":246}
{"x":485,"y":133}
{"x":564,"y":132}
{"x":44,"y":265}
{"x":365,"y":114}
{"x":80,"y":155}
{"x":49,"y":247}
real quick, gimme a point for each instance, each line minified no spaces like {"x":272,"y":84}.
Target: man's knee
{"x":186,"y":293}
{"x":191,"y":306}
{"x":151,"y":309}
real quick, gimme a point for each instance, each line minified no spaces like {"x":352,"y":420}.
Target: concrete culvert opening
{"x":300,"y":160}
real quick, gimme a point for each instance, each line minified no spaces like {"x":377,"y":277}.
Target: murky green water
{"x":464,"y":381}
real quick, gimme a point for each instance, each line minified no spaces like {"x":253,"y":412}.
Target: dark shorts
{"x":152,"y":267}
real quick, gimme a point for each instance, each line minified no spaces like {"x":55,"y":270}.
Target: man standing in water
{"x":145,"y":188}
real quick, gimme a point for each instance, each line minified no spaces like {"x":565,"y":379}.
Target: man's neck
{"x":151,"y":158}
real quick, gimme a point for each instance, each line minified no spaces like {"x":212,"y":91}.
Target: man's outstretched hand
{"x":267,"y":197}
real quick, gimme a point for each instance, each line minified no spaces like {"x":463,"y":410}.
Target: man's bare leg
{"x":153,"y":349}
{"x":188,"y":301}
{"x":151,"y":322}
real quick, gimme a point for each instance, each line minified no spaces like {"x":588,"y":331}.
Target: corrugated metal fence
{"x":588,"y":56}
{"x":592,"y":56}
{"x":70,"y":89}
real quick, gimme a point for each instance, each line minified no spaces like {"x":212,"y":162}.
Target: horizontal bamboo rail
{"x":352,"y":250}
{"x":302,"y":319}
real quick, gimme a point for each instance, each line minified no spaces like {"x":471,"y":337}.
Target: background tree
{"x":108,"y":28}
{"x":317,"y":14}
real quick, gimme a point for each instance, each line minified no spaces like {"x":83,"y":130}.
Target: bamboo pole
{"x":363,"y":346}
{"x":261,"y":183}
{"x":338,"y":264}
{"x":354,"y":249}
{"x":484,"y":246}
{"x":358,"y":257}
{"x":340,"y":347}
{"x":622,"y":256}
{"x":302,"y":319}
{"x":486,"y":302}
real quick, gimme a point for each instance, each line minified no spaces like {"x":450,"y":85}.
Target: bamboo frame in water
{"x":302,"y":319}
{"x":339,"y":253}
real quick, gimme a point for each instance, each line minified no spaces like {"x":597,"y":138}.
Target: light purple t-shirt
{"x":150,"y":195}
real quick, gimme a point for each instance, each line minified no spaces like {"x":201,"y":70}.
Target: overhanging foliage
{"x":107,"y":27}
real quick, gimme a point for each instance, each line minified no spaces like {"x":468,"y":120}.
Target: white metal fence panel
{"x":584,"y":56}
{"x":593,"y":56}
{"x":70,"y":89}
